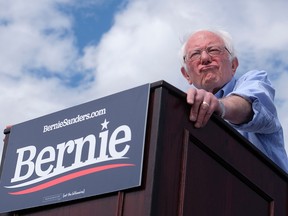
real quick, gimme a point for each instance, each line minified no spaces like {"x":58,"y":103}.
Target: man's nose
{"x":205,"y":57}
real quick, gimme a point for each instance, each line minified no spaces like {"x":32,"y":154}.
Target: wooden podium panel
{"x":188,"y":171}
{"x":229,"y":192}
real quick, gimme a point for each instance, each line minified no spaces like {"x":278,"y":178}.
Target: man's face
{"x":208,"y":63}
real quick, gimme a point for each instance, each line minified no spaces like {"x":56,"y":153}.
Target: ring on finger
{"x":205,"y":104}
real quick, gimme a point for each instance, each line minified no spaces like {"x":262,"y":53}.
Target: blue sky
{"x":59,"y":53}
{"x":91,"y":21}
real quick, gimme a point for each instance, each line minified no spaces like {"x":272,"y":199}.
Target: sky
{"x":55,"y":54}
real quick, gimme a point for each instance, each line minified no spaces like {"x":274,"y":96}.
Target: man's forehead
{"x":204,"y":38}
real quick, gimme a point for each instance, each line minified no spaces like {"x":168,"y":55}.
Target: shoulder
{"x":254,"y":75}
{"x":255,"y":83}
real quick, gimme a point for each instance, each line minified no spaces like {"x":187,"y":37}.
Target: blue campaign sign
{"x":83,"y":151}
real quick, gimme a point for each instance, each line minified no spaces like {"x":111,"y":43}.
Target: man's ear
{"x":186,"y":75}
{"x":235,"y":64}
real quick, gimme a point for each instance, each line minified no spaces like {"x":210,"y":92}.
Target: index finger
{"x":191,"y":96}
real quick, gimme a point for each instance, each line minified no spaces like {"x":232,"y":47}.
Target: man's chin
{"x":210,"y":84}
{"x":210,"y":78}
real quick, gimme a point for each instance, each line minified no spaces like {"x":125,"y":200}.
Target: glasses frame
{"x":208,"y":50}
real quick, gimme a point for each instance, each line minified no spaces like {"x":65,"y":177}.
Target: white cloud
{"x":142,"y":46}
{"x":34,"y":36}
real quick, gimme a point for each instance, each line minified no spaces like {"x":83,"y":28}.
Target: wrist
{"x":222,"y":108}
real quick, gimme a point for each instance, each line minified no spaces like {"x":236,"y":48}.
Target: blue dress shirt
{"x":264,"y":130}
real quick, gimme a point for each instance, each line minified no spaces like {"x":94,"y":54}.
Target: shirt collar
{"x":226,"y":89}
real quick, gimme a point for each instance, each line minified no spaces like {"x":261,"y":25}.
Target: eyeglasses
{"x":211,"y":51}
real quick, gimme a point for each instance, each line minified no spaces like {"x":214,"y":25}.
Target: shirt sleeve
{"x":255,"y":87}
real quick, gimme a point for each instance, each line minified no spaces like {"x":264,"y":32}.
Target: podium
{"x":188,"y":171}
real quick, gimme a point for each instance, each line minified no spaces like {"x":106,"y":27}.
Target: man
{"x":247,"y":104}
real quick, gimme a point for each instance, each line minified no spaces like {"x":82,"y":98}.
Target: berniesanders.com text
{"x":77,"y":119}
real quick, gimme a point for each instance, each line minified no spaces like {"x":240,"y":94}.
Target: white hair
{"x":224,"y":35}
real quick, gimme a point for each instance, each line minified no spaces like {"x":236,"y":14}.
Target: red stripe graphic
{"x":68,"y":177}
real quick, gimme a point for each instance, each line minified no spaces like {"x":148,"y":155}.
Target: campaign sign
{"x":83,"y":151}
